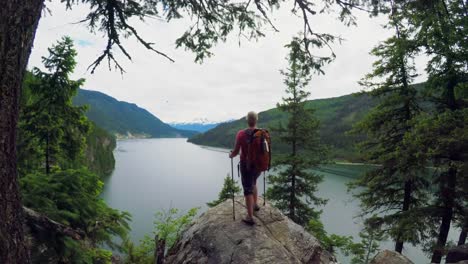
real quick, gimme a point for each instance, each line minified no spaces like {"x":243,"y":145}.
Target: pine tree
{"x":397,"y":188}
{"x":441,"y":137}
{"x":371,"y":236}
{"x":330,"y":242}
{"x":50,"y":119}
{"x":229,"y":189}
{"x":29,"y":151}
{"x":294,"y":186}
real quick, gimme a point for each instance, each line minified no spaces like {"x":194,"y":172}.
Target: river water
{"x":156,"y":174}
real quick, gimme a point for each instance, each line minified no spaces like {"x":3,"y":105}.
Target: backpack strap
{"x":250,"y":134}
{"x":269,"y":152}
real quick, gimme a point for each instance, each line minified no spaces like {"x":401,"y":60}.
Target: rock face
{"x":390,"y":257}
{"x":458,"y":254}
{"x":215,"y":238}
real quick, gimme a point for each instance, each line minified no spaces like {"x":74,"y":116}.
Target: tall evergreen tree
{"x":58,"y":127}
{"x":397,"y":188}
{"x":441,"y":138}
{"x":293,"y":187}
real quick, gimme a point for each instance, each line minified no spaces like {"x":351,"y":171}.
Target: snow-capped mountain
{"x":200,"y":125}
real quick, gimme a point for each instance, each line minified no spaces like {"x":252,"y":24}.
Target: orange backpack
{"x":259,"y":149}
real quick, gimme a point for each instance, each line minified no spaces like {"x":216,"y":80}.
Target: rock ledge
{"x":390,"y":257}
{"x":215,"y":238}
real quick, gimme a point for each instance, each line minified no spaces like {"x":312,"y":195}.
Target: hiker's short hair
{"x":252,"y":117}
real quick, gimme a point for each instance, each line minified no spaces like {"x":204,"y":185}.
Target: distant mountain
{"x":337,"y":116}
{"x":200,"y":125}
{"x":124,"y":119}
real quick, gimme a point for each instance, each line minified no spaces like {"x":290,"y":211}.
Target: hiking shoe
{"x":256,"y":208}
{"x":248,"y":221}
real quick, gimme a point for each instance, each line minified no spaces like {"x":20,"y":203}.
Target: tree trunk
{"x":47,"y":155}
{"x":463,"y":235}
{"x":18,"y":23}
{"x":160,"y":250}
{"x":406,"y":205}
{"x":292,"y":194}
{"x":448,"y":192}
{"x":369,"y":247}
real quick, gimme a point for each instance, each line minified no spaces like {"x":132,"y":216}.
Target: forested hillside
{"x":99,"y":156}
{"x":124,"y":119}
{"x":336,"y":115}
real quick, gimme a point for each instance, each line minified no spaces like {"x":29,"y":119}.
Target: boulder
{"x":215,"y":237}
{"x":457,"y":254}
{"x":390,"y":257}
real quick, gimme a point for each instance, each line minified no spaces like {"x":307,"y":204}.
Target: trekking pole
{"x":264,"y":189}
{"x":232,"y":190}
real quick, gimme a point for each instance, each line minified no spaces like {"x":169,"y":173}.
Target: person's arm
{"x":236,"y":149}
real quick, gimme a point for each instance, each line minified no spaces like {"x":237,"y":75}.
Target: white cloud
{"x":236,"y":79}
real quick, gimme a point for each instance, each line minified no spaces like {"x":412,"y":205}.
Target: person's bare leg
{"x":255,"y":194}
{"x":249,"y":203}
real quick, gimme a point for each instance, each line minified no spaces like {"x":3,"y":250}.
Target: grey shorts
{"x":249,"y":178}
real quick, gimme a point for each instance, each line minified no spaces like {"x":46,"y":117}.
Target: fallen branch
{"x":37,"y":221}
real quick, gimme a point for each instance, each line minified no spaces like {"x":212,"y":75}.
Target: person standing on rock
{"x":254,"y":145}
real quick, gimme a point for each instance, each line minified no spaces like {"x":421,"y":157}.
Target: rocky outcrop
{"x":458,"y":254}
{"x":390,"y":257}
{"x":215,"y":238}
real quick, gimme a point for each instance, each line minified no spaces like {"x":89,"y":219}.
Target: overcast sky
{"x":238,"y":78}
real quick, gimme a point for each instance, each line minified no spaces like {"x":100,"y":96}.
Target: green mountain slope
{"x":125,"y":119}
{"x":337,"y":116}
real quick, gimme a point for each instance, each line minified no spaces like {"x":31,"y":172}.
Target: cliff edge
{"x":215,"y":238}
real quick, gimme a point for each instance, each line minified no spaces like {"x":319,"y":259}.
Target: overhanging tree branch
{"x":38,"y":221}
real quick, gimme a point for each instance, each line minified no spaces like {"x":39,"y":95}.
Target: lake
{"x":155,"y":174}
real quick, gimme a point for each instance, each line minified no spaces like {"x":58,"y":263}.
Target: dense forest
{"x":62,"y":158}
